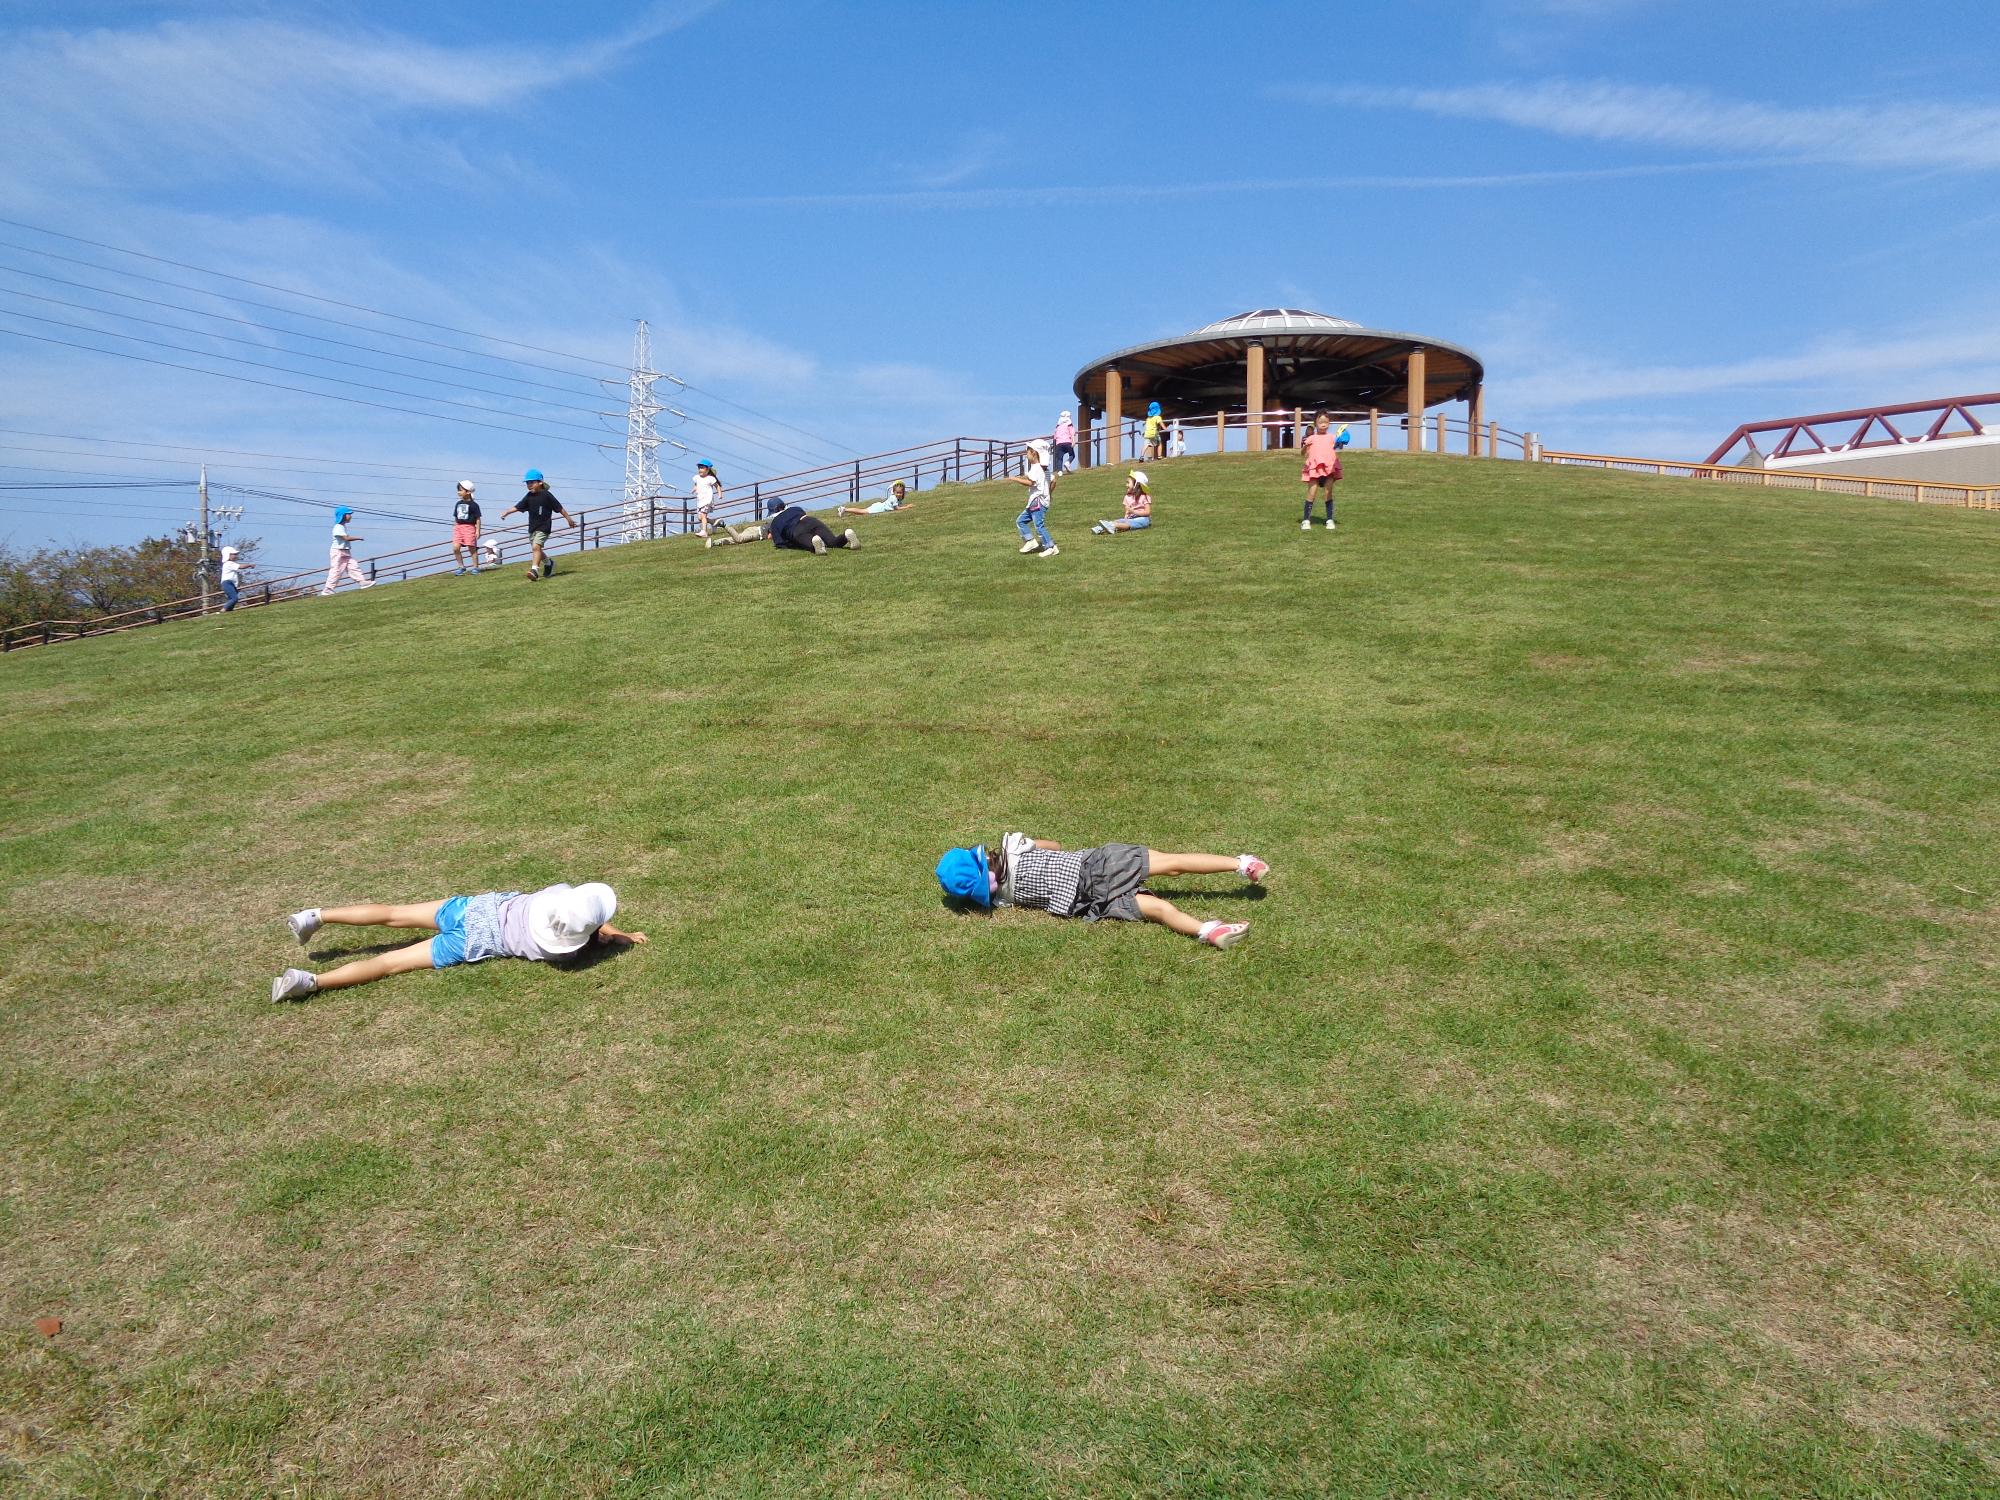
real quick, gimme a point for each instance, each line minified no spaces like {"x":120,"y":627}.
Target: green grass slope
{"x":1603,"y":1102}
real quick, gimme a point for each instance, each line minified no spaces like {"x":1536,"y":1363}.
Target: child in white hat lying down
{"x":547,"y":924}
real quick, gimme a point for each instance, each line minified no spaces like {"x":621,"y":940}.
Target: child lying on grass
{"x":547,"y":924}
{"x":1091,"y":883}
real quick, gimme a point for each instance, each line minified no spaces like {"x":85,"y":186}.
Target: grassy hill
{"x":1604,"y":1101}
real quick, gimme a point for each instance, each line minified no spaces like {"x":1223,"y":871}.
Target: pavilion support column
{"x":1114,"y":417}
{"x":1374,"y":428}
{"x":1413,"y":401}
{"x":1222,"y":432}
{"x":1475,"y":420}
{"x":1083,"y":434}
{"x":1253,"y":396}
{"x":1441,"y":430}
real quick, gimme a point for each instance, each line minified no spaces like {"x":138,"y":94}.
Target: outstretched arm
{"x":611,"y":937}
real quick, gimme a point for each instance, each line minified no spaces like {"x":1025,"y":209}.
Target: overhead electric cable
{"x":352,"y":364}
{"x":300,"y":333}
{"x":268,"y":286}
{"x":304,"y":390}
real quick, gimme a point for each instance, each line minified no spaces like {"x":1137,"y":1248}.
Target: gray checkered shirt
{"x":1046,"y":878}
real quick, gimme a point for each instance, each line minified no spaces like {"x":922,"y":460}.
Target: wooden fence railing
{"x":945,"y":461}
{"x":1918,"y":491}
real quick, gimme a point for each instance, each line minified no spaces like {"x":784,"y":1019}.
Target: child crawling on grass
{"x":1093,"y":884}
{"x":542,"y":926}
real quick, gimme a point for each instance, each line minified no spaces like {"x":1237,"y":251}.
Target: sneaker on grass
{"x":819,"y":546}
{"x":1030,"y":546}
{"x":1329,"y":524}
{"x":293,"y":984}
{"x":1222,"y":934}
{"x":1306,"y":524}
{"x":853,"y":541}
{"x":304,"y":924}
{"x":1052,"y":550}
{"x":1251,"y":868}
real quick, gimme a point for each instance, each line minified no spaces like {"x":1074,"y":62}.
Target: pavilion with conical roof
{"x":1275,"y":359}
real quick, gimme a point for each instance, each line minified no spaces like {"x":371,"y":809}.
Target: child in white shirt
{"x":1037,"y":481}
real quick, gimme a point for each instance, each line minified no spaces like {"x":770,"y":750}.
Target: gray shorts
{"x":538,"y":538}
{"x":1109,"y":883}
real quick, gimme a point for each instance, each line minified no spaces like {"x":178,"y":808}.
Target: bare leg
{"x":407,"y":914}
{"x":1158,"y":863}
{"x":1155,"y":909}
{"x":535,"y":561}
{"x":380,"y":965}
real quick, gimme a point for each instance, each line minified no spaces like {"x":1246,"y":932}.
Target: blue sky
{"x":882,"y":223}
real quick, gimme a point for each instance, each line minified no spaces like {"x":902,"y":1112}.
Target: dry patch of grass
{"x":1814,"y":1311}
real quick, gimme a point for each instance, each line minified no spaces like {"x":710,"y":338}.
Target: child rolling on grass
{"x":1093,"y":884}
{"x":1322,"y":470}
{"x":1138,"y":507}
{"x":895,"y":500}
{"x":1035,"y":513}
{"x":545,"y":925}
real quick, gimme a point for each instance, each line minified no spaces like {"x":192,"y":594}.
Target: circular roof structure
{"x":1310,"y":360}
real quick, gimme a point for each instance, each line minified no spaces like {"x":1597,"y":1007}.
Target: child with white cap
{"x":1138,"y":507}
{"x":1065,"y":444}
{"x":1034,"y":513}
{"x":465,"y":530}
{"x":542,"y":926}
{"x":232,"y":577}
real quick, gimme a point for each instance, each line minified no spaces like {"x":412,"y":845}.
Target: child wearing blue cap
{"x":541,"y":508}
{"x":1094,"y":884}
{"x":1155,"y":432}
{"x":340,"y":561}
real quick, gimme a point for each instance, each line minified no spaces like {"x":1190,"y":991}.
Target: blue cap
{"x":341,"y":513}
{"x":704,"y":463}
{"x":962,"y":873}
{"x":1153,"y":409}
{"x":531,"y":476}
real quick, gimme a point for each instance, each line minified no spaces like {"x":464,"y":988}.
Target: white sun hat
{"x":466,"y":485}
{"x":562,"y":918}
{"x":1138,"y":476}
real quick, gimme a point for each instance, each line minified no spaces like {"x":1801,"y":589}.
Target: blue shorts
{"x":1139,"y":523}
{"x":468,"y":929}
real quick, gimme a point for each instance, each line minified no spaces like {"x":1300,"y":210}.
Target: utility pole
{"x":204,"y":538}
{"x":642,"y":440}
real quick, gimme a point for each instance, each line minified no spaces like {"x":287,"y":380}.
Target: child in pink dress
{"x":1322,"y":470}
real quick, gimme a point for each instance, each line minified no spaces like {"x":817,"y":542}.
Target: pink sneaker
{"x":1222,"y":934}
{"x":1251,"y":868}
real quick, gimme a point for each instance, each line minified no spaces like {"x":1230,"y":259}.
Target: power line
{"x":169,"y":364}
{"x":352,"y":364}
{"x":204,"y":450}
{"x":260,"y":364}
{"x":293,"y":292}
{"x":296,"y":333}
{"x":775,"y":422}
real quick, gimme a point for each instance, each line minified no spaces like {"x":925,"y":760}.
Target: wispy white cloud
{"x":1920,"y":133}
{"x":185,"y":102}
{"x":977,"y":153}
{"x":1058,"y":195}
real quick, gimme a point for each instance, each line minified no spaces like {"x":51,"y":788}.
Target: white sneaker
{"x":293,"y":984}
{"x":1306,"y":524}
{"x":1222,"y":934}
{"x":1027,"y":547}
{"x":707,"y":542}
{"x":1331,"y":527}
{"x":304,"y":924}
{"x":1052,"y":550}
{"x":1251,"y":868}
{"x":819,"y":546}
{"x":853,"y":541}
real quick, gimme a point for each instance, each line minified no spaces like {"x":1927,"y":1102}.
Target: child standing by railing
{"x":1322,"y":470}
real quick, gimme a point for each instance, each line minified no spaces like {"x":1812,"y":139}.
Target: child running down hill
{"x":1108,"y":881}
{"x":543,"y":926}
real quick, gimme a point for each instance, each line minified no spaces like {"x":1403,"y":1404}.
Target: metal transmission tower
{"x":642,"y":443}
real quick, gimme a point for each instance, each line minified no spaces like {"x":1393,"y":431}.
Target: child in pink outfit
{"x":1322,"y":470}
{"x":340,"y":561}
